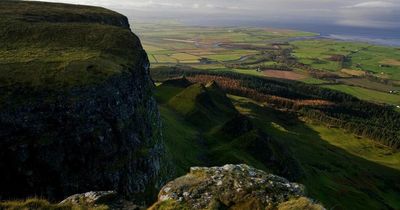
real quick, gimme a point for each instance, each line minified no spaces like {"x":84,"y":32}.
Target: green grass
{"x":169,"y":205}
{"x":368,"y":84}
{"x":191,"y":144}
{"x":362,"y":56}
{"x":152,"y":48}
{"x":366,"y":94}
{"x":185,"y":101}
{"x":340,"y":169}
{"x":224,"y":57}
{"x":183,"y":141}
{"x":314,"y":81}
{"x":361,"y":147}
{"x":184,"y":57}
{"x":166,"y":92}
{"x":316,"y":52}
{"x":55,"y":46}
{"x":165,"y":59}
{"x":371,"y":59}
{"x":333,"y":160}
{"x":40,"y":204}
{"x":201,"y":104}
{"x":300,"y":204}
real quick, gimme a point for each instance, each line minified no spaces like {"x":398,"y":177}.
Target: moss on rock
{"x":228,"y":187}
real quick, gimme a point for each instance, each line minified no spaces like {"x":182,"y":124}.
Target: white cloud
{"x":196,"y":6}
{"x":363,"y":13}
{"x":368,"y":23}
{"x":373,"y":4}
{"x":371,"y":14}
{"x":210,"y":6}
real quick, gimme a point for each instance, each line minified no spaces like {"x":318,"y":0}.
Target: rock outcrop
{"x":100,"y":200}
{"x":76,"y":107}
{"x":231,"y":187}
{"x":92,"y":197}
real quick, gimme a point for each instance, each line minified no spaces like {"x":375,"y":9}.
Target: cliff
{"x":76,"y":106}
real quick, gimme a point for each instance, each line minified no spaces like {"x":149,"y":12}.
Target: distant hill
{"x":204,"y":106}
{"x":224,"y":135}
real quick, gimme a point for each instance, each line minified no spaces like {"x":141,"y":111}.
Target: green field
{"x":366,"y":94}
{"x":361,"y":56}
{"x":254,"y":50}
{"x":316,"y":53}
{"x":187,"y":44}
{"x":374,"y":57}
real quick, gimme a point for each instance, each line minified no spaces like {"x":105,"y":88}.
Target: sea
{"x":378,"y":36}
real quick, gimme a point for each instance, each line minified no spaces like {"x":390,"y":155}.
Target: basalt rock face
{"x":80,"y":126}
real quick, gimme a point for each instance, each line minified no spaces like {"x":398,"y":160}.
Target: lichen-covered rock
{"x":92,"y":197}
{"x":107,"y":199}
{"x":230,"y":186}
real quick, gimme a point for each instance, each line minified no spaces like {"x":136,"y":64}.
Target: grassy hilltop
{"x":55,"y":46}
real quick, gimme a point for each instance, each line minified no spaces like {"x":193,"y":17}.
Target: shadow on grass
{"x":335,"y":177}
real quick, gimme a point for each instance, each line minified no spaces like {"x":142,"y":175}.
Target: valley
{"x":327,"y":156}
{"x":99,"y":112}
{"x":355,"y":68}
{"x":329,"y":161}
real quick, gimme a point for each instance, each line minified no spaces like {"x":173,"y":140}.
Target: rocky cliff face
{"x":71,"y":124}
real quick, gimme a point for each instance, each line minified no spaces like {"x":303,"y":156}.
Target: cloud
{"x":368,"y":23}
{"x":360,"y":13}
{"x":370,"y":14}
{"x":373,"y":4}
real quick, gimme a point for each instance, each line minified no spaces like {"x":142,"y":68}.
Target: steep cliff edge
{"x":76,"y":106}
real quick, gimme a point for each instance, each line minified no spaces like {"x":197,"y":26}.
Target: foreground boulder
{"x":100,"y":200}
{"x":92,"y":198}
{"x":232,"y":187}
{"x":76,"y":107}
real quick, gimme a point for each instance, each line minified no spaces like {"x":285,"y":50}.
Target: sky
{"x":383,"y":14}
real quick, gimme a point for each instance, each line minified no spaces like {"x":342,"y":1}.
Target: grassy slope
{"x":183,"y":141}
{"x":341,"y":170}
{"x":200,"y":104}
{"x":44,"y":45}
{"x":35,"y":203}
{"x":361,"y":147}
{"x":366,"y":94}
{"x":355,"y":173}
{"x":190,"y":145}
